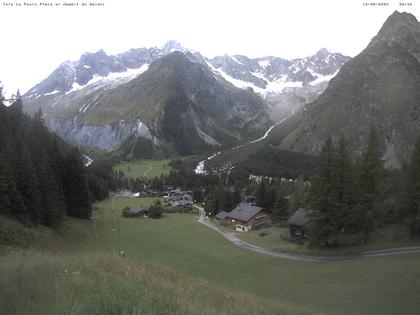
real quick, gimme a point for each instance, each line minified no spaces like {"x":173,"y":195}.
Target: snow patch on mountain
{"x":264,"y":63}
{"x":239,"y":83}
{"x":52,"y":93}
{"x":323,"y":78}
{"x":111,"y":77}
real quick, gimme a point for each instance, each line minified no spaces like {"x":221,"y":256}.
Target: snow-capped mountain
{"x":102,"y":100}
{"x":267,"y":76}
{"x":272,"y":75}
{"x":97,"y":69}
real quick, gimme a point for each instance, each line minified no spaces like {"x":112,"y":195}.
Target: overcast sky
{"x":35,"y":40}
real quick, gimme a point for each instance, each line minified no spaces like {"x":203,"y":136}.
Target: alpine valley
{"x":174,"y":101}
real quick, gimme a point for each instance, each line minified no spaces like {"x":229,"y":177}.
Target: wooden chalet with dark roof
{"x":245,"y":216}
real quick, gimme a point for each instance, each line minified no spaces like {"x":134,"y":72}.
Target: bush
{"x":126,"y":212}
{"x":155,"y":210}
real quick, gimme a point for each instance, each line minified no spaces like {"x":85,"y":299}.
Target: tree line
{"x":351,"y":196}
{"x":41,"y":177}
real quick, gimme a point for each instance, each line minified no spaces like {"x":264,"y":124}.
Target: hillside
{"x":379,"y":87}
{"x":127,"y":100}
{"x":178,"y":104}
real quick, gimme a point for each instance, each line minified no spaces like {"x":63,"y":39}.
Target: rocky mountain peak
{"x":171,"y":46}
{"x":322,"y":53}
{"x":396,"y":21}
{"x":377,"y":88}
{"x":403,"y":30}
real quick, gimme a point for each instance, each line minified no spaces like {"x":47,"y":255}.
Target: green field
{"x":387,"y":285}
{"x":387,"y":237}
{"x":370,"y":286}
{"x":144,"y":168}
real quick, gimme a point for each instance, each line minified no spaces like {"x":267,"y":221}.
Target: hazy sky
{"x":35,"y":40}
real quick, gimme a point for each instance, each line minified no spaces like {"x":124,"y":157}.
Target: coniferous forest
{"x":41,"y":177}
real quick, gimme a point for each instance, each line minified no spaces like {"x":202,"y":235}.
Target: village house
{"x":297,"y":224}
{"x":181,"y":205}
{"x":245,"y":216}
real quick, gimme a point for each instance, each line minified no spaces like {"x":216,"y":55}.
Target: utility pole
{"x":93,"y":217}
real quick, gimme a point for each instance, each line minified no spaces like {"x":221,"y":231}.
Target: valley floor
{"x":202,"y":262}
{"x":289,"y":250}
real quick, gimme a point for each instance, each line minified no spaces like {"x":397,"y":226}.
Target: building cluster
{"x":179,"y":200}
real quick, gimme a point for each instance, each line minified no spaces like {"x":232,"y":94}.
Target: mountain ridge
{"x":378,"y":87}
{"x":102,"y":100}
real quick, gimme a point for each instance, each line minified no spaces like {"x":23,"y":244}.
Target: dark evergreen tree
{"x":5,"y":204}
{"x":413,"y":191}
{"x":225,"y":201}
{"x":298,"y":195}
{"x":371,"y":187}
{"x":76,"y":186}
{"x":265,"y":196}
{"x":346,"y":190}
{"x":236,"y":196}
{"x":324,"y":220}
{"x":281,"y":208}
{"x":155,"y":210}
{"x":197,"y":195}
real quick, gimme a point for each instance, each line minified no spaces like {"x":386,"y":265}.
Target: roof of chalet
{"x":299,"y":218}
{"x":244,"y":212}
{"x":221,"y":215}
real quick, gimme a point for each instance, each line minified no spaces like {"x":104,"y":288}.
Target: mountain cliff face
{"x":177,"y":102}
{"x":102,"y":100}
{"x":380,"y":87}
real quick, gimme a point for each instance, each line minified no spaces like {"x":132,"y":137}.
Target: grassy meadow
{"x":212,"y":276}
{"x":144,"y":168}
{"x":387,"y":237}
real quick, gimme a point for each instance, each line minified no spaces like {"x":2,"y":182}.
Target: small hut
{"x":297,"y":223}
{"x":221,"y":215}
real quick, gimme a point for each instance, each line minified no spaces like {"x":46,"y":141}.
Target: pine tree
{"x":76,"y":186}
{"x":197,"y":195}
{"x":281,"y":208}
{"x":345,"y":188}
{"x":298,"y":196}
{"x":236,"y":196}
{"x":226,"y":201}
{"x":372,"y":174}
{"x":324,"y":219}
{"x":27,"y":184}
{"x":5,"y":204}
{"x":413,"y":190}
{"x":265,"y":196}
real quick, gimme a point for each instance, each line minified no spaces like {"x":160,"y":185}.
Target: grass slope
{"x":144,"y":168}
{"x":102,"y":283}
{"x":387,"y":285}
{"x":372,"y":286}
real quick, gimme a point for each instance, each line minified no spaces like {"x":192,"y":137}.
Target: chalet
{"x":182,"y":205}
{"x":245,"y":216}
{"x":297,"y":224}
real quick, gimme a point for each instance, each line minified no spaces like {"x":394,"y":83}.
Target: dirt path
{"x":147,"y":171}
{"x":238,"y":242}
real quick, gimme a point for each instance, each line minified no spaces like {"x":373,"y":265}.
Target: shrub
{"x":155,"y":210}
{"x":126,"y":212}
